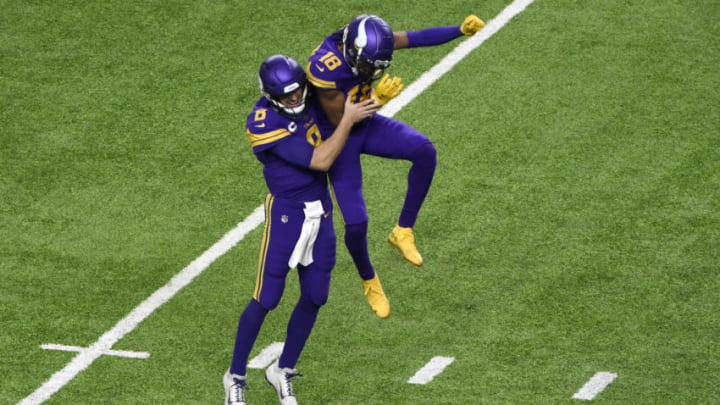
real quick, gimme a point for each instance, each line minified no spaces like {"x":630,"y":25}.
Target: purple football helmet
{"x":279,"y":76}
{"x":368,"y":46}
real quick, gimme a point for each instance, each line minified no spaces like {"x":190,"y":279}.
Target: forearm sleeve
{"x":433,"y":36}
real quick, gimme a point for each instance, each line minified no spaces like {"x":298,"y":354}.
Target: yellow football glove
{"x":471,"y":25}
{"x":387,"y":89}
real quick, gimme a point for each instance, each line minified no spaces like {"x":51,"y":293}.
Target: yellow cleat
{"x":404,"y":240}
{"x":376,"y":297}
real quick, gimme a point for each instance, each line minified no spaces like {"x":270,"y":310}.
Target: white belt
{"x":303,"y":248}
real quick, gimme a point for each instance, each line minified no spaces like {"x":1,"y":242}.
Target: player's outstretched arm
{"x":324,"y":155}
{"x":438,"y":35}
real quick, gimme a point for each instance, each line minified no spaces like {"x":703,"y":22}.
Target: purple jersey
{"x":328,"y":70}
{"x":285,"y":147}
{"x":377,"y":136}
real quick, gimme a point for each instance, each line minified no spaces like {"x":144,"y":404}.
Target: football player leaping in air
{"x":346,"y":64}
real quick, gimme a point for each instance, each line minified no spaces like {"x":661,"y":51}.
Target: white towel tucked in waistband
{"x":303,"y":248}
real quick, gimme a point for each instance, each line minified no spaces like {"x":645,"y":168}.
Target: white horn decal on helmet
{"x":361,"y":40}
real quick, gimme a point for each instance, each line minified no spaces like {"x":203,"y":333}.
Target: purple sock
{"x":298,"y":330}
{"x":420,"y":177}
{"x":248,"y":328}
{"x":357,"y":245}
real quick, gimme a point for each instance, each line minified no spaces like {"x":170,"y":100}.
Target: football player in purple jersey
{"x":345,"y":65}
{"x":298,"y":233}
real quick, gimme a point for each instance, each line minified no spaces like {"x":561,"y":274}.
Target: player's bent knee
{"x":425,"y":155}
{"x":354,"y":232}
{"x":320,"y":294}
{"x":316,"y":298}
{"x":269,"y":304}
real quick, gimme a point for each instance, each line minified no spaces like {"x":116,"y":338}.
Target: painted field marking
{"x":267,"y":356}
{"x":87,"y":356}
{"x":435,"y":366}
{"x":126,"y":325}
{"x":412,"y":91}
{"x":118,"y":353}
{"x":595,"y":385}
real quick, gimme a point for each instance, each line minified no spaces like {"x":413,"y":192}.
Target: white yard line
{"x":126,"y":325}
{"x":595,"y":385}
{"x":118,"y":353}
{"x":267,"y":356}
{"x":87,"y":356}
{"x":410,"y":92}
{"x":435,"y":366}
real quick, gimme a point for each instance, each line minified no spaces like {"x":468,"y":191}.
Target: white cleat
{"x":235,"y":387}
{"x":281,"y":380}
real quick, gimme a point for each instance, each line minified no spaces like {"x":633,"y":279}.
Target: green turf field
{"x":573,"y":226}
